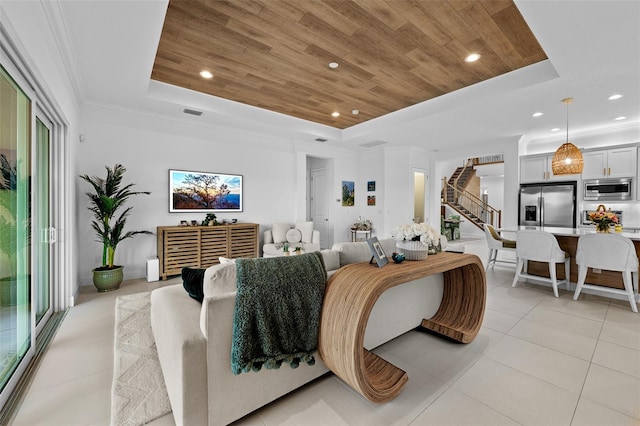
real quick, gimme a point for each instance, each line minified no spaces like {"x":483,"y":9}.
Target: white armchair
{"x":300,"y":235}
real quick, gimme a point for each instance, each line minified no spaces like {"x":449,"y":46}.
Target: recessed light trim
{"x":555,"y":129}
{"x":622,"y":117}
{"x":537,"y":114}
{"x":333,"y":65}
{"x":206,"y":74}
{"x":355,"y":111}
{"x":472,"y":57}
{"x":615,"y":96}
{"x":335,"y":114}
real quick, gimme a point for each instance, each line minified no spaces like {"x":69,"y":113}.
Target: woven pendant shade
{"x":567,"y":160}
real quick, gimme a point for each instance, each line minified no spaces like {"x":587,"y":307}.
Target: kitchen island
{"x":568,"y":241}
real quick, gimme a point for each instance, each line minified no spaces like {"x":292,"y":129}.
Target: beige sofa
{"x":194,"y":340}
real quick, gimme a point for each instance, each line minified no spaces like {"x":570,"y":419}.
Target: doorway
{"x":419,"y":196}
{"x":318,"y":190}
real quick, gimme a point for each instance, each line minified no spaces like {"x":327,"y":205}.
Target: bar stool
{"x":610,"y":252}
{"x":540,"y":246}
{"x":495,"y":242}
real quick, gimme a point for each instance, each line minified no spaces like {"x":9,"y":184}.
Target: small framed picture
{"x":371,"y":185}
{"x":371,"y":200}
{"x":377,"y":251}
{"x":183,"y":223}
{"x":194,"y":223}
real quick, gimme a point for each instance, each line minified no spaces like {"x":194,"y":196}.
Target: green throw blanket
{"x":277,"y":311}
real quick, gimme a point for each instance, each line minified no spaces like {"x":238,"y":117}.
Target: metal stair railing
{"x":467,"y":204}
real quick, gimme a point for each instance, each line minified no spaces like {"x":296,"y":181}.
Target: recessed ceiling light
{"x":206,"y":74}
{"x":537,"y":114}
{"x":335,"y":114}
{"x":333,"y":65}
{"x":621,"y":118}
{"x":614,"y":97}
{"x":472,"y":58}
{"x":555,"y":129}
{"x":355,"y":111}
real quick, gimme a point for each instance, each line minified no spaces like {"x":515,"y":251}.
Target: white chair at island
{"x":610,"y":252}
{"x":496,"y":243}
{"x":540,"y":246}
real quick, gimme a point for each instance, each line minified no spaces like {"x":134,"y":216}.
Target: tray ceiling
{"x":391,"y":54}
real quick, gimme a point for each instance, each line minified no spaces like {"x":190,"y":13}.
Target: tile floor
{"x":538,"y":360}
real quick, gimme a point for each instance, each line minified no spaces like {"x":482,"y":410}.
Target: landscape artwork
{"x":371,"y":200}
{"x":348,"y":193}
{"x":204,"y":192}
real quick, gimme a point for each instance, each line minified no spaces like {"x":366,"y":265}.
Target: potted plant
{"x":107,"y":198}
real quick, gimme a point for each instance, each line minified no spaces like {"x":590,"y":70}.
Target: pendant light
{"x":567,"y":159}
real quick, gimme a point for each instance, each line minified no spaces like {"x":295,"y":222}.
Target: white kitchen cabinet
{"x":610,"y":163}
{"x":537,"y":168}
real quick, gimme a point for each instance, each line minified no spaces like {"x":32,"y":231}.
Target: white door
{"x":320,"y":205}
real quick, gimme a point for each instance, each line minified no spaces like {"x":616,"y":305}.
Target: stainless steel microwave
{"x":608,"y":189}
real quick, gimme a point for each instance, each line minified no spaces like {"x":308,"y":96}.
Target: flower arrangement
{"x":362,"y":224}
{"x":416,"y":232}
{"x":603,"y":219}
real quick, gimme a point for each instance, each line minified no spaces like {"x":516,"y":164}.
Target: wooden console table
{"x":354,"y":289}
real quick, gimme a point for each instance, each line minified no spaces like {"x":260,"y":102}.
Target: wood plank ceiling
{"x":275,"y":54}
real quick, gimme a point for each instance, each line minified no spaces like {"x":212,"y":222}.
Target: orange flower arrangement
{"x":603,"y":219}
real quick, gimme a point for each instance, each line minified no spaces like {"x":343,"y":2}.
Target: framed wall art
{"x":348,"y":193}
{"x":204,"y":192}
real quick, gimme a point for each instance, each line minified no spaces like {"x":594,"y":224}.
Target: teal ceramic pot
{"x":107,"y":279}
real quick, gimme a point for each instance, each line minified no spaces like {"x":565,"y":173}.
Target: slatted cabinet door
{"x":201,"y":246}
{"x":181,"y":250}
{"x":214,"y":244}
{"x":244,"y":242}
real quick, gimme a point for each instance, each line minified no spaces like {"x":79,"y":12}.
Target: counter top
{"x":568,"y":232}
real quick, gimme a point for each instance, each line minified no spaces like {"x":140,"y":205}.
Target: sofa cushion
{"x":306,"y":229}
{"x":279,"y":232}
{"x":294,"y":236}
{"x":331,"y":259}
{"x":219,"y":279}
{"x":192,"y":281}
{"x":226,"y":260}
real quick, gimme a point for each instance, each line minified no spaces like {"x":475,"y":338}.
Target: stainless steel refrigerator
{"x":548,"y":204}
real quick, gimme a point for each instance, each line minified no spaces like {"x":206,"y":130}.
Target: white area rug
{"x":138,"y":392}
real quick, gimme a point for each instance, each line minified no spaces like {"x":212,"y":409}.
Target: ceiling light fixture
{"x":472,"y":57}
{"x":567,"y":159}
{"x":206,"y":74}
{"x":537,"y":114}
{"x":555,"y":129}
{"x":622,"y":117}
{"x":333,"y":65}
{"x":614,"y":97}
{"x":355,"y":111}
{"x":335,"y":114}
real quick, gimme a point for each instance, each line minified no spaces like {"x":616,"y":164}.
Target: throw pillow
{"x":226,"y":260}
{"x":279,"y":232}
{"x":294,"y":236}
{"x":192,"y":281}
{"x":220,"y":279}
{"x":306,"y":229}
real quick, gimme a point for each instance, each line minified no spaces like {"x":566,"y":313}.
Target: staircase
{"x":455,"y":195}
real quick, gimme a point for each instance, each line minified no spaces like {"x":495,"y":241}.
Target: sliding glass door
{"x":16,"y":321}
{"x":42,"y":222}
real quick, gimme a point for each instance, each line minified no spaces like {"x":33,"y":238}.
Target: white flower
{"x":408,"y":231}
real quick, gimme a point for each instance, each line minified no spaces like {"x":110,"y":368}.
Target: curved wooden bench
{"x":354,"y":289}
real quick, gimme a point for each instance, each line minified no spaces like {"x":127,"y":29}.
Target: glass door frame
{"x":36,"y":235}
{"x":43,"y":104}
